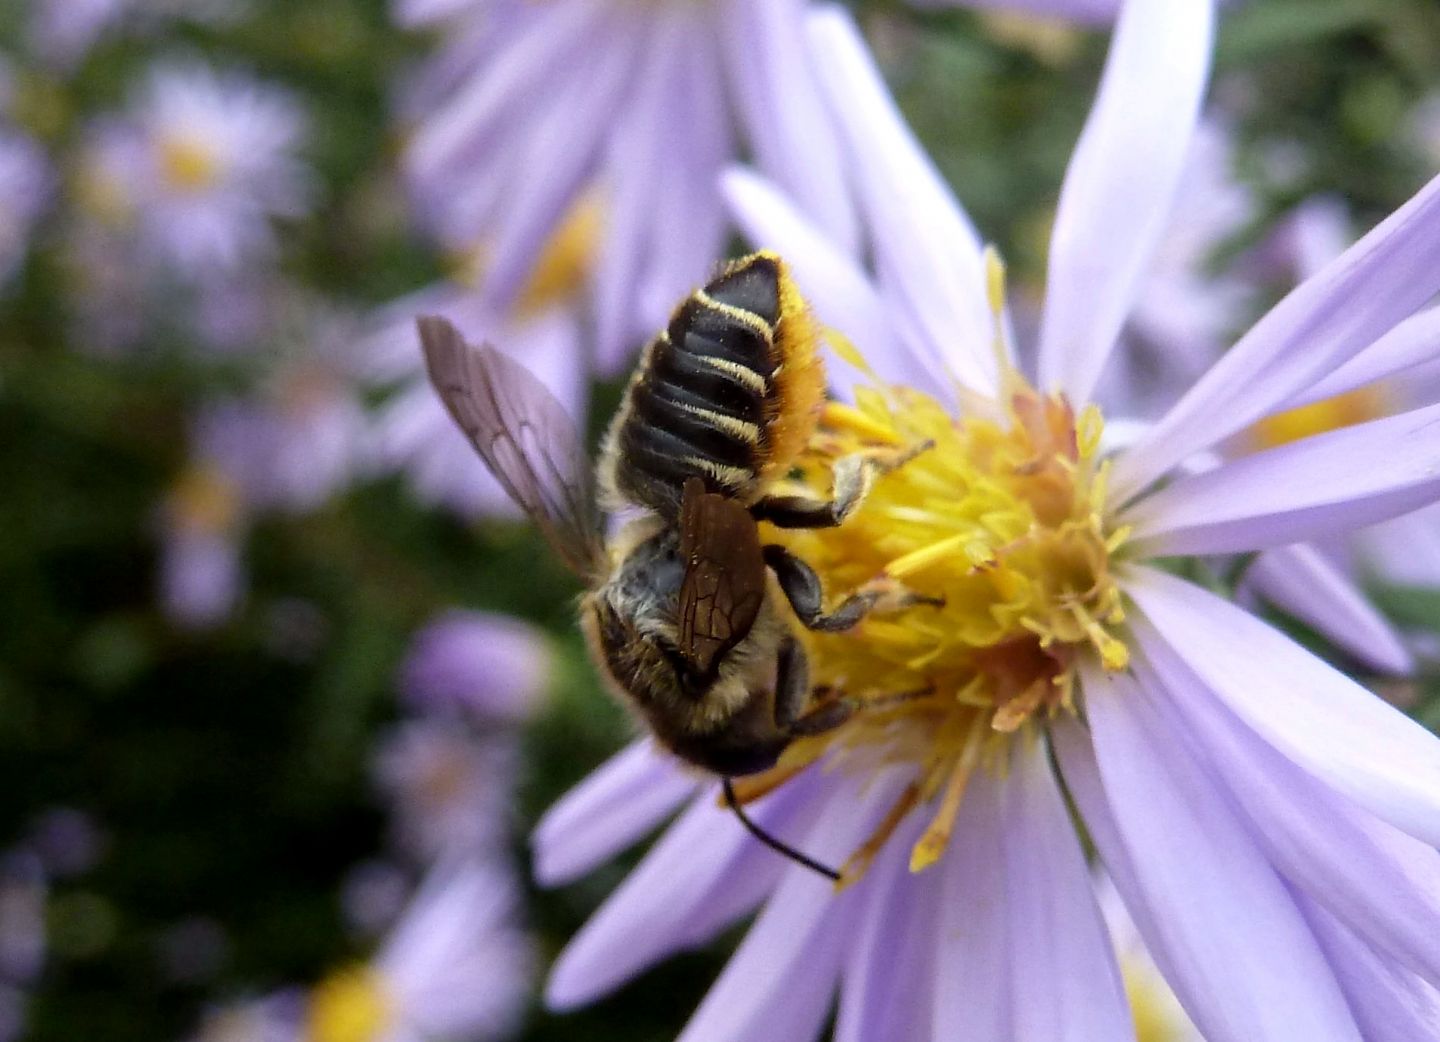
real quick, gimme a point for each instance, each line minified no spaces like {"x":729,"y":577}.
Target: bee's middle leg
{"x":792,"y":692}
{"x":802,"y":588}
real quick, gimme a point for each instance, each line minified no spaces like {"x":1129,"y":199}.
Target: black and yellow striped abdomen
{"x":719,"y":393}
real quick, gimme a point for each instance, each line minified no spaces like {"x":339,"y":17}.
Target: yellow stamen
{"x":932,"y":844}
{"x":857,"y":864}
{"x":994,"y":549}
{"x":918,"y":560}
{"x":838,"y":415}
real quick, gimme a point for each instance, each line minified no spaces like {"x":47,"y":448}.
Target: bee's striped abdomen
{"x":700,"y":404}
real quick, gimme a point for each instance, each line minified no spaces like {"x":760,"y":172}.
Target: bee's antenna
{"x":770,"y":841}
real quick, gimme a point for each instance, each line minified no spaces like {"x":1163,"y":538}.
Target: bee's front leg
{"x":852,"y":478}
{"x":792,"y":692}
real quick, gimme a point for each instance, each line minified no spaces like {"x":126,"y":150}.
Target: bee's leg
{"x":792,"y":692}
{"x":802,"y":589}
{"x":852,"y":477}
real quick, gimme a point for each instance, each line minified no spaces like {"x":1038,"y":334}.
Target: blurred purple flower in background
{"x":528,"y":110}
{"x":23,"y":893}
{"x":197,"y":169}
{"x":566,"y":156}
{"x":61,"y":32}
{"x":206,"y":515}
{"x":25,"y":190}
{"x":273,"y":1018}
{"x":492,"y":669}
{"x":1269,"y":823}
{"x":449,"y":790}
{"x":1187,"y":309}
{"x":454,"y":968}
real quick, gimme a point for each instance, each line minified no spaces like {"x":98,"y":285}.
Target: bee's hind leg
{"x":803,"y":590}
{"x":792,"y":692}
{"x":852,"y":478}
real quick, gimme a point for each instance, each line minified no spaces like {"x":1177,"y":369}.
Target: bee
{"x":690,"y":617}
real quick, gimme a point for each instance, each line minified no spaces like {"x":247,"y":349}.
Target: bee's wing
{"x":724,"y":582}
{"x":524,"y":436}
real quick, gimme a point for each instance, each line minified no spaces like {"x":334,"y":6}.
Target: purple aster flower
{"x":449,"y":790}
{"x":1403,"y":550}
{"x":68,"y":841}
{"x":528,"y":109}
{"x":23,"y":892}
{"x":1185,"y":310}
{"x":271,"y":1018}
{"x":197,"y":169}
{"x":454,"y":967}
{"x":206,"y":515}
{"x":310,"y":429}
{"x":1270,"y":825}
{"x":61,"y":33}
{"x":493,"y":668}
{"x":25,"y":188}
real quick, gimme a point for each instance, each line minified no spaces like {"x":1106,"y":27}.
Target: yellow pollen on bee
{"x":1343,"y":410}
{"x":351,"y":1005}
{"x":188,"y":164}
{"x":1000,"y":529}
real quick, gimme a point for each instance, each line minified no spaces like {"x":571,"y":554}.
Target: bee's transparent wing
{"x":525,"y":438}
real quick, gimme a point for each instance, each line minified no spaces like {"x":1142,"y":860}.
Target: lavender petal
{"x":1245,"y":964}
{"x":1382,"y":884}
{"x":1321,"y":324}
{"x":615,"y":806}
{"x":1065,"y":984}
{"x":1121,"y":184}
{"x":1326,"y":484}
{"x":925,"y":245}
{"x":1300,"y":580}
{"x":1314,"y":714}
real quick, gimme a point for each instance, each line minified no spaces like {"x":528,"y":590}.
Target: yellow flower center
{"x":1157,"y":1013}
{"x":1343,"y":410}
{"x":564,"y":264}
{"x":188,"y":164}
{"x":204,"y":500}
{"x":1049,"y":39}
{"x":103,"y":197}
{"x":351,"y":1005}
{"x":1000,"y":525}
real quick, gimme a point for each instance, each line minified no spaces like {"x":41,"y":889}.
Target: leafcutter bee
{"x":689,"y":616}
